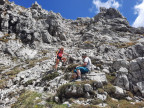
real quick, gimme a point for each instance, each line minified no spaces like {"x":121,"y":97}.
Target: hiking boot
{"x":78,"y":79}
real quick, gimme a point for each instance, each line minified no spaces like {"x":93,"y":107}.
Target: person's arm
{"x":83,"y":65}
{"x":66,"y":54}
{"x":57,"y":53}
{"x":85,"y":62}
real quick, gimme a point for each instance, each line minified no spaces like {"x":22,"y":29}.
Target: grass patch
{"x":123,"y":104}
{"x":5,"y":38}
{"x":126,"y":104}
{"x":112,"y":103}
{"x":129,"y":94}
{"x":110,"y":89}
{"x":122,"y":45}
{"x":28,"y":100}
{"x":30,"y":82}
{"x":54,"y":105}
{"x":14,"y":72}
{"x":2,"y":84}
{"x":96,"y":101}
{"x":32,"y":63}
{"x":110,"y":78}
{"x":101,"y":91}
{"x":84,"y":106}
{"x":9,"y":75}
{"x":50,"y":76}
{"x":88,"y":42}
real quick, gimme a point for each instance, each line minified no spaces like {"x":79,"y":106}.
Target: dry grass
{"x":32,"y":63}
{"x":2,"y":84}
{"x":101,"y":91}
{"x":110,"y":78}
{"x":9,"y":75}
{"x":129,"y":94}
{"x":122,"y":104}
{"x":84,"y":106}
{"x":123,"y":45}
{"x":6,"y":38}
{"x":88,"y":42}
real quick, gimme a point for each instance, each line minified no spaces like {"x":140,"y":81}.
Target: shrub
{"x":110,"y":78}
{"x":50,"y":76}
{"x":110,"y":89}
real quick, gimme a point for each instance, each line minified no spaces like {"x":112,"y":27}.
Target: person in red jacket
{"x":59,"y":57}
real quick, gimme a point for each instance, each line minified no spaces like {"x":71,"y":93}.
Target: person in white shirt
{"x":84,"y":68}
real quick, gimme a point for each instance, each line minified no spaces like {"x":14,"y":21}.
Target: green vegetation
{"x":54,"y":105}
{"x":110,"y":78}
{"x":110,"y":89}
{"x":28,"y":100}
{"x":50,"y":76}
{"x":101,"y":91}
{"x":129,"y":94}
{"x":122,"y":104}
{"x":84,"y":106}
{"x":88,"y":42}
{"x":96,"y":101}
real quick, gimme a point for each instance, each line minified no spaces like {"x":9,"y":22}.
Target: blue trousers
{"x":82,"y":69}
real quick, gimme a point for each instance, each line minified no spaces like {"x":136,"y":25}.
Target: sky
{"x":133,"y":10}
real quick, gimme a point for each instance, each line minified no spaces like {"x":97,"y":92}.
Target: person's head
{"x":61,"y":48}
{"x":84,"y":55}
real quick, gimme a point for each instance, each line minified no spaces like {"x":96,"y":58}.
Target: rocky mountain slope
{"x":29,"y":38}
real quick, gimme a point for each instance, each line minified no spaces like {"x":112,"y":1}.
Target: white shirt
{"x":88,"y":61}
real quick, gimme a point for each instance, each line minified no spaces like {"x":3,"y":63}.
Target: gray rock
{"x":46,"y":37}
{"x":122,"y":81}
{"x":102,"y":97}
{"x":2,"y":2}
{"x":88,"y":88}
{"x":140,"y":86}
{"x":123,"y":71}
{"x":119,"y":92}
{"x":99,"y":77}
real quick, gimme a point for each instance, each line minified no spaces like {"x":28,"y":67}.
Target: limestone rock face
{"x":30,"y":38}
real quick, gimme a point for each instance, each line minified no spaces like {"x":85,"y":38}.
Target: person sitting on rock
{"x":84,"y":68}
{"x":59,"y":57}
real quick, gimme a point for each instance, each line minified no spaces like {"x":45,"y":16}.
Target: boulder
{"x":2,"y":2}
{"x":99,"y":77}
{"x":119,"y":93}
{"x":140,"y":86}
{"x":122,"y":81}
